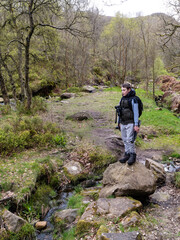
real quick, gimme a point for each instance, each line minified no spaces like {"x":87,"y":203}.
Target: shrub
{"x":38,"y":105}
{"x":26,"y":132}
{"x":5,"y":109}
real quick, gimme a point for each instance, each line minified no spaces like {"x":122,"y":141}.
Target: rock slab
{"x":121,"y":236}
{"x":12,"y":222}
{"x":110,"y":208}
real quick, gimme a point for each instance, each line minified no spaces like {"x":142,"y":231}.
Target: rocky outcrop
{"x":12,"y":222}
{"x":168,"y":83}
{"x":106,"y":208}
{"x":123,"y":180}
{"x":171,"y":97}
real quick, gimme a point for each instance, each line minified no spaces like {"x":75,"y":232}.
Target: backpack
{"x":140,"y":104}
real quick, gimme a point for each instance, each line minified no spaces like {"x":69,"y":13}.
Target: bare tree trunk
{"x":10,"y":76}
{"x":27,"y":48}
{"x":19,"y":68}
{"x":3,"y":88}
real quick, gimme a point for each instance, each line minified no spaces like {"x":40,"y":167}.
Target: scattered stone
{"x":67,"y":95}
{"x":1,"y":100}
{"x":122,"y":180}
{"x":88,"y":89}
{"x":73,"y":168}
{"x":12,"y":222}
{"x":80,"y":116}
{"x":158,"y":170}
{"x":68,"y":215}
{"x":40,"y":225}
{"x":121,"y":236}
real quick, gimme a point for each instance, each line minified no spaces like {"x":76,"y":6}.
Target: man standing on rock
{"x":129,"y":122}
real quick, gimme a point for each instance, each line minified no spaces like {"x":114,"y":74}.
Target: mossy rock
{"x":85,"y":226}
{"x":80,"y":116}
{"x":102,"y":229}
{"x":92,"y":193}
{"x":130,"y":220}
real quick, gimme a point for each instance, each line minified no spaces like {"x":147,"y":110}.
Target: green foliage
{"x":73,"y":89}
{"x":100,"y":159}
{"x":75,"y":201}
{"x":38,"y":202}
{"x":159,"y":67}
{"x":112,"y":89}
{"x":5,"y":109}
{"x":177,"y":179}
{"x":28,"y":132}
{"x":59,"y":140}
{"x":38,"y":105}
{"x":68,"y":235}
{"x":26,"y":232}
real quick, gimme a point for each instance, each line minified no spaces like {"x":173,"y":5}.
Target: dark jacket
{"x":129,"y":109}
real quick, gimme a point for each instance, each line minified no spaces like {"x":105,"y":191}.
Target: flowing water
{"x":47,"y":234}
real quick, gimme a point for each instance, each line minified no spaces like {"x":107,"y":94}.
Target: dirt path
{"x":163,"y":222}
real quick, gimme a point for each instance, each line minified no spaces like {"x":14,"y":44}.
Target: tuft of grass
{"x":75,"y":201}
{"x":69,"y":235}
{"x":177,"y":179}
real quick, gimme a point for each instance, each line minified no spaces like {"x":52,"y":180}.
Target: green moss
{"x":102,"y":229}
{"x":75,"y":178}
{"x":85,"y":226}
{"x":26,"y":232}
{"x":177,"y":179}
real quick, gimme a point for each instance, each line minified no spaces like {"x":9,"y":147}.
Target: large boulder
{"x":123,"y":180}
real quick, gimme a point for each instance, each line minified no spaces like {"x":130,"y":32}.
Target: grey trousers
{"x":127,"y":134}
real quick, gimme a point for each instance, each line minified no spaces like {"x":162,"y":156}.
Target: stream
{"x":47,"y":234}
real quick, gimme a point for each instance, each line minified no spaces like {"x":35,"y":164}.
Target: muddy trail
{"x":160,"y":215}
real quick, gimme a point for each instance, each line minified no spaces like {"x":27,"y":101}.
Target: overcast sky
{"x":131,"y":8}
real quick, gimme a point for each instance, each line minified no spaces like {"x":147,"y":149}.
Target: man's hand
{"x":136,"y":129}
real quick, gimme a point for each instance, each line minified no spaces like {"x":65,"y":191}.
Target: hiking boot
{"x":125,"y":158}
{"x":132,"y":158}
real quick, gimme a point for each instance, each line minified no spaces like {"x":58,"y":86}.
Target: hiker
{"x":129,"y":121}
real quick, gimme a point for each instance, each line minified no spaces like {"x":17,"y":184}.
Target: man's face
{"x":125,"y":91}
